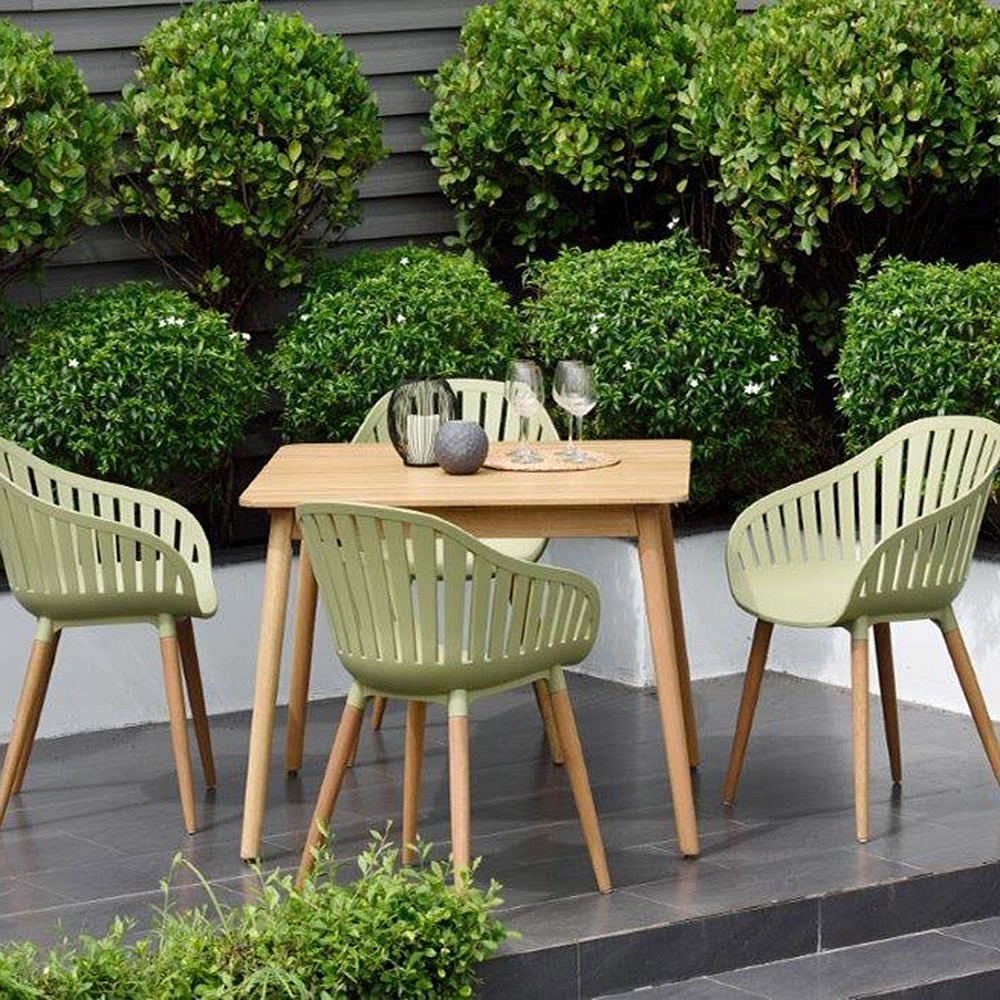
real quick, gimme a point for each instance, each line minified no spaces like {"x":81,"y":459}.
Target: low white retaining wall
{"x":108,"y":678}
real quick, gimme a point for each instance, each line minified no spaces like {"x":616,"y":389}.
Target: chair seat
{"x":808,"y":595}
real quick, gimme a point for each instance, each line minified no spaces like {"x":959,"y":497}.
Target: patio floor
{"x":98,"y":823}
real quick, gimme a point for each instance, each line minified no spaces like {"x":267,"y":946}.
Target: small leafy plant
{"x":373,"y":318}
{"x":920,"y":339}
{"x":554,"y":122}
{"x":132,"y":382}
{"x":56,"y":152}
{"x":247,"y":134}
{"x":395,"y":931}
{"x":676,"y":353}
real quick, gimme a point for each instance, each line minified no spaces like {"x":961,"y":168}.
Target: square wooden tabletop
{"x":650,"y":472}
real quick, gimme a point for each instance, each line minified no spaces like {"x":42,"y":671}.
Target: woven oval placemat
{"x":552,"y":461}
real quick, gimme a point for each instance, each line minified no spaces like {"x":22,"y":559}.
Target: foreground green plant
{"x":554,"y":123}
{"x":677,"y":353}
{"x":248,"y":133}
{"x":920,"y":339}
{"x":394,"y":932}
{"x":374,"y":318}
{"x":134,"y":383}
{"x":56,"y":152}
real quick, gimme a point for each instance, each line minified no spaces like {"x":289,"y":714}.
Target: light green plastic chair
{"x":405,"y":630}
{"x":887,"y":536}
{"x":481,"y":400}
{"x":79,"y":551}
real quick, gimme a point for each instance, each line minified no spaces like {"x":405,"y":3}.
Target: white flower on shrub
{"x":897,"y":312}
{"x":400,"y":318}
{"x":752,"y":388}
{"x":694,"y":381}
{"x":627,"y":366}
{"x":404,"y":260}
{"x":593,"y":328}
{"x":171,"y":321}
{"x":74,"y":362}
{"x":773,"y":359}
{"x":305,"y":317}
{"x":246,"y":338}
{"x":673,"y":222}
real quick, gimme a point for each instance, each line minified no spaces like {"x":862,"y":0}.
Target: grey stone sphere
{"x":460,"y":447}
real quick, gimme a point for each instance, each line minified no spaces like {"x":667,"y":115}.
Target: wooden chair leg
{"x":544,"y":700}
{"x":413,"y":761}
{"x":377,"y":712}
{"x":887,"y":688}
{"x":196,"y":698}
{"x":352,"y":755}
{"x":35,"y":714}
{"x":576,"y":769}
{"x":748,"y":705}
{"x":458,"y":787}
{"x":974,"y":696}
{"x":302,"y":655}
{"x":859,"y":704}
{"x":174,"y":684}
{"x":350,"y":724}
{"x":32,"y":693}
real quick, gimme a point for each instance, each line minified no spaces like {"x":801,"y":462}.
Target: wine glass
{"x":573,"y":391}
{"x":525,"y":391}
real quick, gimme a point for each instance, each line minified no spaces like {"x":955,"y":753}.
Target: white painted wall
{"x":108,"y":678}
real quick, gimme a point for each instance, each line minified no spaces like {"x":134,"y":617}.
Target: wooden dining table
{"x":632,"y":499}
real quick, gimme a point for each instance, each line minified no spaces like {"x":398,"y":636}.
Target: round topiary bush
{"x":842,"y":127}
{"x":248,"y":131}
{"x":553,"y":124}
{"x":133,"y":383}
{"x":56,"y":152}
{"x":920,"y":339}
{"x":374,"y":318}
{"x":676,"y":353}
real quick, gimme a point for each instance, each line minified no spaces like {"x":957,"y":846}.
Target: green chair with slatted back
{"x":480,"y":400}
{"x":78,"y":551}
{"x":887,"y":536}
{"x":423,"y":611}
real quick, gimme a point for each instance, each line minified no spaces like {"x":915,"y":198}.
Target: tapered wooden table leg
{"x":680,"y":640}
{"x":413,"y":765}
{"x":302,"y":655}
{"x":655,"y":583}
{"x":272,"y":632}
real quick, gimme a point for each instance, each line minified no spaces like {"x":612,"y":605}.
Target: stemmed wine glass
{"x":573,"y":390}
{"x":525,"y":392}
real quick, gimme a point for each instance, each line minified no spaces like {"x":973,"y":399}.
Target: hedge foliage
{"x":375,"y":317}
{"x":920,"y":339}
{"x":248,"y":132}
{"x":677,"y":353}
{"x":554,"y":122}
{"x":835,"y":126}
{"x":392,"y":932}
{"x":133,"y":383}
{"x":56,"y":152}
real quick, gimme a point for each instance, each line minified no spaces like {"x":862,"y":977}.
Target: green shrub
{"x":133,"y":383}
{"x":920,"y":339}
{"x":553,"y":124}
{"x":56,"y":152}
{"x":376,"y":317}
{"x":393,"y":932}
{"x":676,"y":353}
{"x":842,"y":127}
{"x":247,"y":131}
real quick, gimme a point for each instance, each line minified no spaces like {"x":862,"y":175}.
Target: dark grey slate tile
{"x":551,"y":974}
{"x":864,"y":969}
{"x":693,"y":989}
{"x":697,"y":947}
{"x":909,"y":905}
{"x":975,"y":986}
{"x":985,"y":932}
